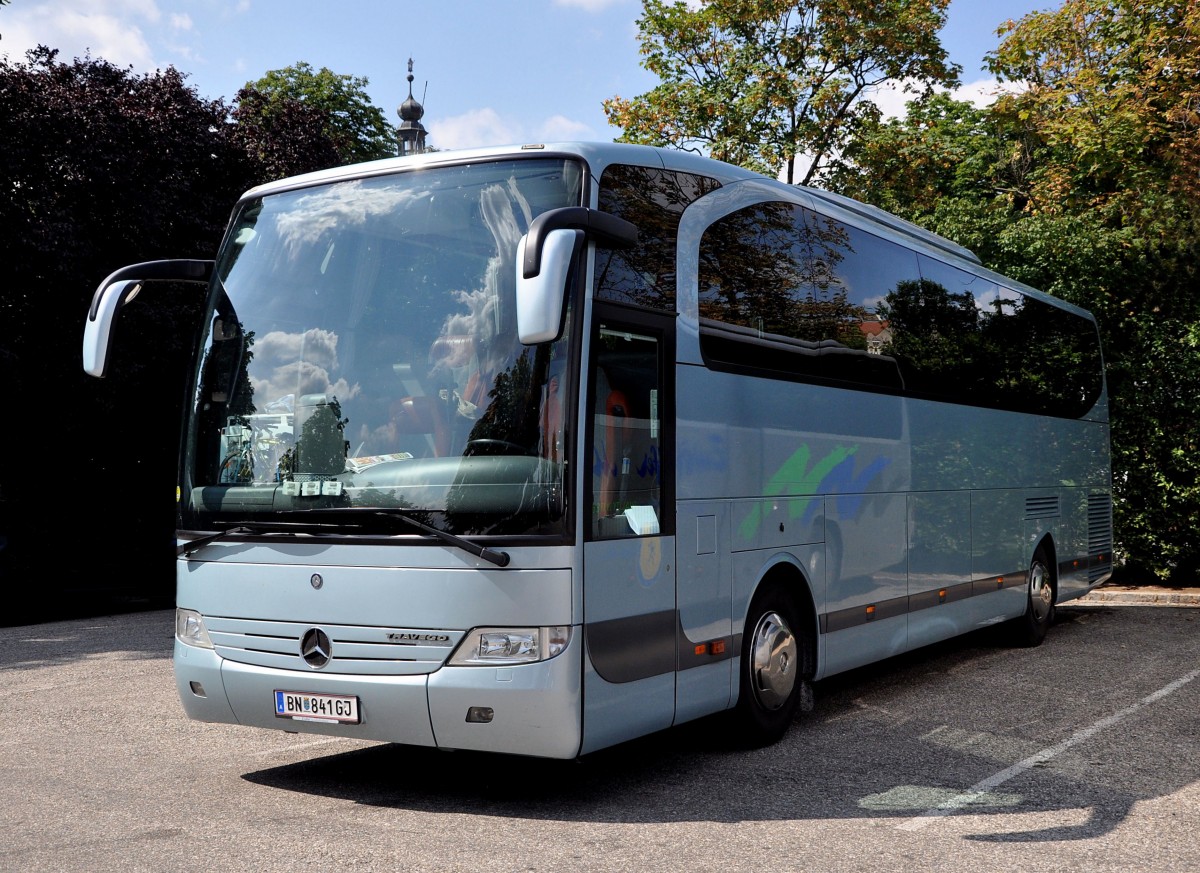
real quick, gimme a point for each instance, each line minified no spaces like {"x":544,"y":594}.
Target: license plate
{"x":303,"y":706}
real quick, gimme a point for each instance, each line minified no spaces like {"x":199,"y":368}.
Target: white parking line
{"x":973,"y":793}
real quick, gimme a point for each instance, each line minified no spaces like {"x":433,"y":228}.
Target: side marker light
{"x":480,"y":714}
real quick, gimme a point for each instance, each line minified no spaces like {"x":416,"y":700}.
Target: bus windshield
{"x":361,"y":351}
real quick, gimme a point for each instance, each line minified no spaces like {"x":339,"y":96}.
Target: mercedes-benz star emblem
{"x":316,"y":581}
{"x":315,"y":648}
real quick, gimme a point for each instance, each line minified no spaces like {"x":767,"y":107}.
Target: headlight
{"x":497,"y":646}
{"x":189,"y":627}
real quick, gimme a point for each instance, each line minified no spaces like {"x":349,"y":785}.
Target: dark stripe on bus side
{"x":641,"y":646}
{"x":1093,"y":565}
{"x":632,"y":648}
{"x":855,"y":616}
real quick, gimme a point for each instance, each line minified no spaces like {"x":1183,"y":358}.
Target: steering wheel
{"x":494,"y":447}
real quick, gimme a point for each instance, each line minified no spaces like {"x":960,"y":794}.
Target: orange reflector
{"x":870,"y":612}
{"x":717,"y":647}
{"x":1000,"y":582}
{"x":941,"y":595}
{"x":701,"y":648}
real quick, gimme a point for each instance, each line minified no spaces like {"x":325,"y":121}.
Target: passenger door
{"x":629,"y":550}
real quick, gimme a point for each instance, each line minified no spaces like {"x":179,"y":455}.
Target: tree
{"x":283,"y":136}
{"x":358,"y":130}
{"x":1111,"y":104}
{"x":761,"y":82}
{"x":100,"y":168}
{"x":943,"y":148}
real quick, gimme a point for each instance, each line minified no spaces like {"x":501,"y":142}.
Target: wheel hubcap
{"x":773,"y":661}
{"x":1041,"y":594}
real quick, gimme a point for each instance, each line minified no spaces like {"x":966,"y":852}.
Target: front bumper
{"x":536,"y":706}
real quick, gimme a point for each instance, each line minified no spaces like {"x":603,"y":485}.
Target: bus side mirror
{"x":540,"y":298}
{"x":544,"y":258}
{"x":117,"y":290}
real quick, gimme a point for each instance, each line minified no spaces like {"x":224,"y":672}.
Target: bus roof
{"x":600,"y":154}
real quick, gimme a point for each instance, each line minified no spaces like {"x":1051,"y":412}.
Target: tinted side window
{"x":783,"y":288}
{"x":653,"y":200}
{"x":786,"y":290}
{"x":1020,"y":353}
{"x":933,"y":330}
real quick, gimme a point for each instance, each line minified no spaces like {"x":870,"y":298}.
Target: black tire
{"x":1030,"y":629}
{"x":772,"y":666}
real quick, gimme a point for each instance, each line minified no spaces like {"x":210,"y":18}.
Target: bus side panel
{"x":1001,"y":552}
{"x":866,"y":643}
{"x":630,"y":623}
{"x":804,"y":464}
{"x":939,"y":567}
{"x":704,"y":596}
{"x":866,"y":615}
{"x":616,"y":712}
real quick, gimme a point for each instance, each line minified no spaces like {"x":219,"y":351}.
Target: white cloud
{"x":181,"y":21}
{"x":479,"y":127}
{"x":559,"y":128}
{"x":108,"y":29}
{"x":486,"y":127}
{"x":985,"y":91}
{"x":891,"y":98}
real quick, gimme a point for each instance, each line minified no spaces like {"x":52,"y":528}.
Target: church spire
{"x":410,"y":134}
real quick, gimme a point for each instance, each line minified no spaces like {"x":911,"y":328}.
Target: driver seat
{"x":422,"y":416}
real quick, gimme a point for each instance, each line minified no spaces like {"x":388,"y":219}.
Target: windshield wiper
{"x":500,"y":559}
{"x":252,"y":527}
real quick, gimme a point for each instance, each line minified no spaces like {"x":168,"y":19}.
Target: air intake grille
{"x":1042,"y":507}
{"x":1100,"y":535}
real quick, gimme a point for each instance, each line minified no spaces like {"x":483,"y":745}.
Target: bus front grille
{"x":353,"y":649}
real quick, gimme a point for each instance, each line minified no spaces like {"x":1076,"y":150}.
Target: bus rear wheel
{"x":771,"y":668}
{"x":1030,"y":629}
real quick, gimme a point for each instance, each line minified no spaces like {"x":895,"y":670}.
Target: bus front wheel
{"x":771,"y":668}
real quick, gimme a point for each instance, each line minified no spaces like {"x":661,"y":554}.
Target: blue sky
{"x":487,"y":71}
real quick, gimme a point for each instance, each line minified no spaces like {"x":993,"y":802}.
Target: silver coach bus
{"x":539,"y":449}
